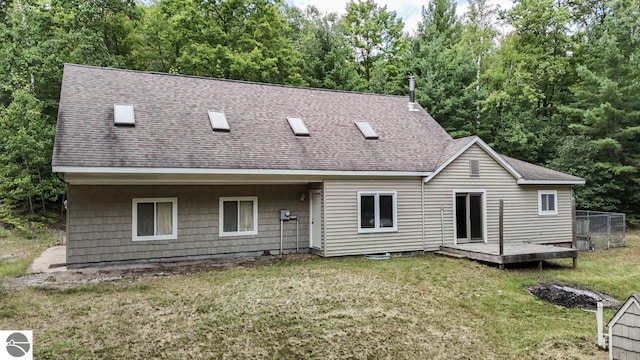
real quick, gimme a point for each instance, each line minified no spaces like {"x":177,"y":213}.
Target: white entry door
{"x":315,"y":234}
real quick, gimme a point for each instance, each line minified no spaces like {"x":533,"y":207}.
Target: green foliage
{"x":375,"y":37}
{"x":233,"y":39}
{"x":326,"y":56}
{"x":445,"y":69}
{"x":26,"y":144}
{"x":604,"y":112}
{"x":559,"y":87}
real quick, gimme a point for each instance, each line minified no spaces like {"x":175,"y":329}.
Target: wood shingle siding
{"x":100,"y":222}
{"x":625,"y":332}
{"x":521,"y":219}
{"x":341,"y":218}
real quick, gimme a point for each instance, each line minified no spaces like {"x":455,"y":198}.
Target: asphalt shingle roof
{"x":172,"y":127}
{"x":534,"y":172}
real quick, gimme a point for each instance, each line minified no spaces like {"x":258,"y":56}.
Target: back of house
{"x":169,"y":167}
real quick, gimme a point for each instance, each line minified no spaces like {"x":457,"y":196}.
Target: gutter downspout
{"x":281,"y":235}
{"x":424,"y":245}
{"x":442,"y":222}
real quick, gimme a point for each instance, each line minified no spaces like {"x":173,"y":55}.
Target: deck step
{"x":449,"y":254}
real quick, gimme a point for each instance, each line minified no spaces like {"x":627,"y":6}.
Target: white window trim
{"x":555,"y":202}
{"x":483,"y":192}
{"x":221,"y":216}
{"x":376,"y":207}
{"x":174,"y":225}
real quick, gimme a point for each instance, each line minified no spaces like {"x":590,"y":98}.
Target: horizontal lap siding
{"x":341,"y":218}
{"x":100,"y":222}
{"x":521,"y":219}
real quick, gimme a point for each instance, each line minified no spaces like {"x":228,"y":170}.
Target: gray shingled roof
{"x":172,"y":126}
{"x":534,"y":172}
{"x":452,"y":147}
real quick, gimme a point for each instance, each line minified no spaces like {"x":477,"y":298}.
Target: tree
{"x":36,"y":38}
{"x":375,"y":37}
{"x":234,"y":39}
{"x":478,"y":38}
{"x":529,"y":79}
{"x":604,"y":113}
{"x":326,"y":57}
{"x":26,"y":144}
{"x":444,"y":69}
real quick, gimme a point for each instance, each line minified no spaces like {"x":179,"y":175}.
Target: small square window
{"x":377,"y":211}
{"x":238,"y":216}
{"x":547,"y":202}
{"x":218,"y":121}
{"x":123,"y":115}
{"x":155,"y":219}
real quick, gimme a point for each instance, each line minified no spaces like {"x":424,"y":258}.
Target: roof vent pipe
{"x":412,"y":94}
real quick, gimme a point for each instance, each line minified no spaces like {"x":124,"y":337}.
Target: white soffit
{"x":123,"y":115}
{"x":366,"y":130}
{"x":298,"y":126}
{"x":218,"y":121}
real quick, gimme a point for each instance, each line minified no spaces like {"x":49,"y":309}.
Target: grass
{"x":424,"y":307}
{"x":18,"y":251}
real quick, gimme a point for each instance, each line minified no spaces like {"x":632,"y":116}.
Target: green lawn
{"x":423,"y":307}
{"x":17,"y":252}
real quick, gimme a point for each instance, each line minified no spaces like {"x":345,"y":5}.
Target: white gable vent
{"x":366,"y":130}
{"x":298,"y":127}
{"x":474,"y":168}
{"x":123,"y":115}
{"x":218,"y":121}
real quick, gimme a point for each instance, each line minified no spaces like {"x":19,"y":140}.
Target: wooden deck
{"x":512,"y":253}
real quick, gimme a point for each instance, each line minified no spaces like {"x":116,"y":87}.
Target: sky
{"x":408,"y":10}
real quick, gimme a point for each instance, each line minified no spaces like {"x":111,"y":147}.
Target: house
{"x":624,"y":331}
{"x":162,"y":166}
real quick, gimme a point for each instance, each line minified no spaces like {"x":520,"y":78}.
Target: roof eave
{"x":492,"y":153}
{"x":206,"y":171}
{"x":550,"y":182}
{"x":631,"y":300}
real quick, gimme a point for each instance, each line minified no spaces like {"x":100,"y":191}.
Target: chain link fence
{"x":600,"y":230}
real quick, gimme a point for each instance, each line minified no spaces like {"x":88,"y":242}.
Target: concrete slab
{"x":53,"y":259}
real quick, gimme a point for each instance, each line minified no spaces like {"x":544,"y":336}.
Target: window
{"x":367,"y":130}
{"x":547,"y":202}
{"x":123,"y":115}
{"x":218,"y":121}
{"x":474,"y":168}
{"x":155,"y":219}
{"x":377,"y":212}
{"x":298,"y":127}
{"x":238,"y":216}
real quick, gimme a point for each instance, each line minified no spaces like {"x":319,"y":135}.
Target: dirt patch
{"x":71,"y":278}
{"x":569,"y":296}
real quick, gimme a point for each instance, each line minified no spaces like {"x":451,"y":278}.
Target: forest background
{"x":560,"y":88}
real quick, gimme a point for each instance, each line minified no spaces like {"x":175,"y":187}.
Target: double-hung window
{"x":547,"y":202}
{"x":155,"y":219}
{"x":238,"y":216}
{"x":377,"y":211}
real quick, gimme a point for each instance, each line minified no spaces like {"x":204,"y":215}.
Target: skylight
{"x":218,"y":121}
{"x":123,"y":115}
{"x":366,"y":130}
{"x":298,"y":126}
